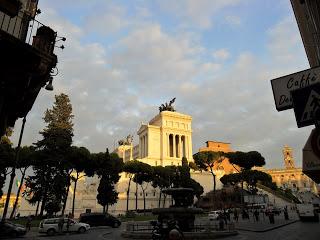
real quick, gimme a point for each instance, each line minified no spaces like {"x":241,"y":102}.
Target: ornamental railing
{"x":22,"y":26}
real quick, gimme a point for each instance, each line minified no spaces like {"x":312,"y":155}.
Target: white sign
{"x":282,"y":86}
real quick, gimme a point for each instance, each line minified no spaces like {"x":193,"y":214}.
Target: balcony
{"x":26,"y":62}
{"x":23,"y":27}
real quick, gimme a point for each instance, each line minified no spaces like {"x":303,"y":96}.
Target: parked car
{"x":99,"y":219}
{"x":9,"y":229}
{"x":213,"y":215}
{"x":51,"y":226}
{"x":307,"y":212}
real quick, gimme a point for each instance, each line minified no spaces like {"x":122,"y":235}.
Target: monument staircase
{"x":278,"y":197}
{"x":307,"y":197}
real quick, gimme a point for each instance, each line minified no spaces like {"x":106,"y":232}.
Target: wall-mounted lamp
{"x":60,"y":39}
{"x":49,"y":86}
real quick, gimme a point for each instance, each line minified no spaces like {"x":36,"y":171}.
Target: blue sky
{"x":124,"y":58}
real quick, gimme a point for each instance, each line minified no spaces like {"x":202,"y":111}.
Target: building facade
{"x":291,"y":177}
{"x":223,"y":165}
{"x":166,"y":139}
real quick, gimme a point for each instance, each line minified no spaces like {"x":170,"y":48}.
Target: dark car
{"x":99,"y":219}
{"x":9,"y":229}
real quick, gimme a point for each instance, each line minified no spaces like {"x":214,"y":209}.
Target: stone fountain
{"x":180,"y":210}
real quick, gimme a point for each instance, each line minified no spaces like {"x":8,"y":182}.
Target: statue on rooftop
{"x":126,"y":141}
{"x":167,"y":107}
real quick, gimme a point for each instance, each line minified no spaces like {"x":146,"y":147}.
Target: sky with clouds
{"x":124,"y":58}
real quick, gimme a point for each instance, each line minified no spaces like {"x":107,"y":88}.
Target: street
{"x":298,"y":230}
{"x":96,"y":233}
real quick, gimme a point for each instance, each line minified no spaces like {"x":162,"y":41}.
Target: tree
{"x":51,"y":179}
{"x":106,"y":193}
{"x":182,"y":178}
{"x":232,"y":179}
{"x":109,"y":167}
{"x":205,"y":161}
{"x":161,"y":179}
{"x":6,"y":162}
{"x":246,"y":160}
{"x":130,"y":168}
{"x":24,"y":162}
{"x":252,"y":177}
{"x":143,"y":177}
{"x":197,"y":188}
{"x":81,"y":162}
{"x":5,"y":139}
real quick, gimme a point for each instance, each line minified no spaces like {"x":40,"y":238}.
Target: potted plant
{"x":10,"y":7}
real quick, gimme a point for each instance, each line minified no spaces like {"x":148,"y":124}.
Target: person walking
{"x":68,"y":224}
{"x":60,"y":224}
{"x":235,"y":215}
{"x":285,"y":212}
{"x":256,"y":215}
{"x":221,"y":222}
{"x":28,"y":223}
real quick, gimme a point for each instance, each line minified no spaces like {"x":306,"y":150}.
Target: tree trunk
{"x":128,"y":192}
{"x":6,"y":206}
{"x":107,"y":207}
{"x":160,"y":198}
{"x":18,"y":194}
{"x":144,"y":200}
{"x":164,"y":200}
{"x":66,"y":198}
{"x":136,"y":196}
{"x":38,"y":204}
{"x":214,"y":181}
{"x":43,"y":203}
{"x":241,"y":193}
{"x":104,"y":209}
{"x":74,"y":195}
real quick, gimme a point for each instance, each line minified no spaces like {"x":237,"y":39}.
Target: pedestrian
{"x":221,"y":221}
{"x":28,"y":223}
{"x":256,"y":215}
{"x":285,"y":212}
{"x":60,"y":224}
{"x":224,"y":214}
{"x":235,"y":215}
{"x":68,"y":224}
{"x":228,"y":215}
{"x":271,"y":217}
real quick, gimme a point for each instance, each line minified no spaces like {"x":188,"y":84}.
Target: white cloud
{"x":197,"y":12}
{"x":284,"y":41}
{"x":233,"y":20}
{"x":107,"y":20}
{"x":221,"y":54}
